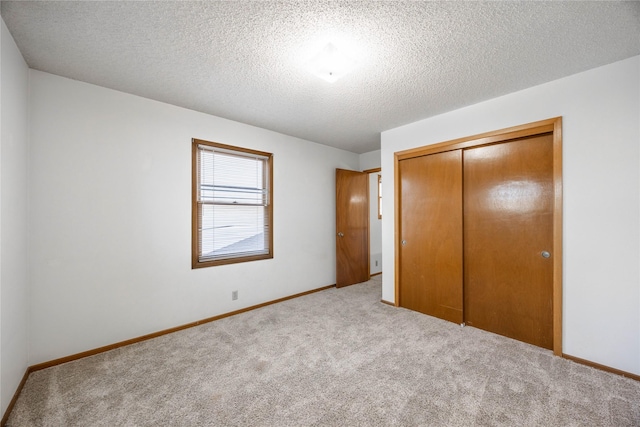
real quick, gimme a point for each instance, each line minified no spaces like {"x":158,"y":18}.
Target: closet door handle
{"x":404,"y":242}
{"x":545,"y":254}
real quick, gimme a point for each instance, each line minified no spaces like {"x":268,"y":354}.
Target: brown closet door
{"x":508,"y":232}
{"x":431,"y":235}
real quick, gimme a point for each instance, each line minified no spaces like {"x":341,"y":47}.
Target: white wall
{"x":14,"y":76}
{"x":601,"y":139}
{"x":110,"y":217}
{"x":370,"y":160}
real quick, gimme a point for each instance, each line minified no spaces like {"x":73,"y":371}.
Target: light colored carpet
{"x":333,"y":358}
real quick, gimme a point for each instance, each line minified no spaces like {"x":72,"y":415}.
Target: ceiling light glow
{"x":330,"y":64}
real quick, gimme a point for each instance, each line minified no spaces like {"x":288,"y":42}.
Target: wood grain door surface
{"x":508,"y":227}
{"x":431,"y":235}
{"x":352,"y":227}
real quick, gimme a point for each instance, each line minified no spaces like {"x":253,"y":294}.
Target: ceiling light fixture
{"x":330,"y":63}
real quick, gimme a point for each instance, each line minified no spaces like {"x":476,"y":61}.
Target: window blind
{"x":233,"y":203}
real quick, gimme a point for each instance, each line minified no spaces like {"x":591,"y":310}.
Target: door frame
{"x":369,"y":172}
{"x":553,"y":126}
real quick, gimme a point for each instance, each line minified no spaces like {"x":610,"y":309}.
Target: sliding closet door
{"x":430,"y":243}
{"x":508,"y":239}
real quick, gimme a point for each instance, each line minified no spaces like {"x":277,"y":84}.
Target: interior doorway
{"x":352,"y":227}
{"x":358,"y":226}
{"x":375,"y":221}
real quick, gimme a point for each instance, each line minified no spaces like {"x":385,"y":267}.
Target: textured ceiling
{"x":246,"y":60}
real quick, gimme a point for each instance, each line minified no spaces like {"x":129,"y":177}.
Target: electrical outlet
{"x":376,"y":263}
{"x":234,"y":295}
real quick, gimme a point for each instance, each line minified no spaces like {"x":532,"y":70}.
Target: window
{"x":379,"y":196}
{"x":232,"y":206}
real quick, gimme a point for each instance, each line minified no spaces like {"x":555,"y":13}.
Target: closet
{"x":479,"y":232}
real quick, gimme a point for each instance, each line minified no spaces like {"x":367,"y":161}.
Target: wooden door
{"x":352,"y":227}
{"x":431,"y":235}
{"x":508,"y":234}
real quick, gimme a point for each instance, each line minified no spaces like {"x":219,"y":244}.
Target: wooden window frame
{"x":195,"y":243}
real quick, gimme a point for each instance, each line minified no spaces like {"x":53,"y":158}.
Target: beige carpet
{"x":333,"y":358}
